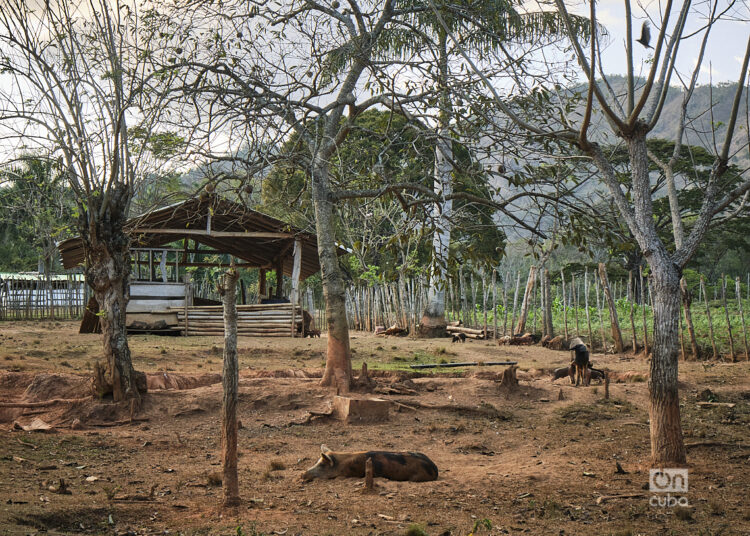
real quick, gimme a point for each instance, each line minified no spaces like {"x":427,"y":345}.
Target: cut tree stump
{"x":359,"y":409}
{"x":509,"y":380}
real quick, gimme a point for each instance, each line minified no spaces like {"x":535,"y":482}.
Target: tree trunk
{"x":230,"y":381}
{"x":614,"y":321}
{"x":433,"y":319}
{"x":643,"y":312}
{"x":108,"y":272}
{"x":338,"y":371}
{"x":565,"y":305}
{"x":631,"y":300}
{"x":586,"y":306}
{"x":547,"y":311}
{"x":666,"y":431}
{"x":527,"y":295}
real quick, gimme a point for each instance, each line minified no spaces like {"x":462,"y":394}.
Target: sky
{"x":724,"y":52}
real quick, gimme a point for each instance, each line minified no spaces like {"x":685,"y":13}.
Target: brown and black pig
{"x":404,"y":466}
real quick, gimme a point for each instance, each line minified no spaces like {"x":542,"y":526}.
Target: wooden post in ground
{"x":726,"y":313}
{"x":527,"y":295}
{"x":296,"y":269}
{"x":368,"y":474}
{"x":230,"y":380}
{"x":564,"y":304}
{"x":631,"y":300}
{"x":708,"y":317}
{"x":742,"y":315}
{"x":606,"y":385}
{"x":614,"y":321}
{"x":643,"y":312}
{"x":687,"y":300}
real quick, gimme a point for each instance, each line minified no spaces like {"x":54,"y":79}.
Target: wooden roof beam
{"x":213,"y":234}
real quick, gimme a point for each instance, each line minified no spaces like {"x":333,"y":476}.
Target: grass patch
{"x":415,"y":530}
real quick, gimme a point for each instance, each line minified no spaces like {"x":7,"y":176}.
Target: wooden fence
{"x":609,"y":314}
{"x":28,"y":298}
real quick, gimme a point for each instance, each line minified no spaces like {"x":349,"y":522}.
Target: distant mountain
{"x":708,"y":113}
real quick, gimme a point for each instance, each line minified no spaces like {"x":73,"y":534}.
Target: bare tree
{"x":80,"y":77}
{"x":631,"y":117}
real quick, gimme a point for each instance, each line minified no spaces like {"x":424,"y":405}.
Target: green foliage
{"x":36,"y":211}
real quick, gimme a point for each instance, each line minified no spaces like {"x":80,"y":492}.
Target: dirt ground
{"x":523,"y":459}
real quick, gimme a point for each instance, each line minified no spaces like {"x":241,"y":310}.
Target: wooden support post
{"x":279,"y":277}
{"x":296,"y":268}
{"x":614,"y":321}
{"x":230,"y":381}
{"x":262,"y":291}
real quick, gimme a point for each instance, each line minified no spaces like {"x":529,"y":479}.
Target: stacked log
{"x":265,"y":320}
{"x":469,"y":332}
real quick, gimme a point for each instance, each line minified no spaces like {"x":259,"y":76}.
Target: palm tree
{"x":484,"y":26}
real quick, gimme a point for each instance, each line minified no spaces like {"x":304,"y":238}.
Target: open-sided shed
{"x":205,"y":225}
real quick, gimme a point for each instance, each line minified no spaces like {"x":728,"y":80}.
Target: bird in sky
{"x":645,"y":35}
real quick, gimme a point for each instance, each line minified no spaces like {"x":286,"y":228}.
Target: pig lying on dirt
{"x":410,"y":466}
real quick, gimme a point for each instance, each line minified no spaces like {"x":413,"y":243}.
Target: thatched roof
{"x":222,"y":225}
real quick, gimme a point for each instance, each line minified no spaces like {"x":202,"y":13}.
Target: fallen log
{"x":467,"y":331}
{"x":519,"y":340}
